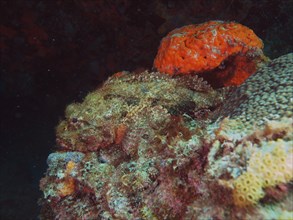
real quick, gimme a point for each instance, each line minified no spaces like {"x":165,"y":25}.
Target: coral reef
{"x":257,"y":161}
{"x":54,"y":52}
{"x":228,"y":51}
{"x":136,"y":149}
{"x":151,"y":145}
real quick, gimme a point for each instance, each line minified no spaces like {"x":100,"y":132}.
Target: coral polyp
{"x":268,"y":167}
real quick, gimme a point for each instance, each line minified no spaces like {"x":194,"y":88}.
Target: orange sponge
{"x":229,"y":48}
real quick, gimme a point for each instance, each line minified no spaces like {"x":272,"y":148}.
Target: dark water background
{"x":55,"y":52}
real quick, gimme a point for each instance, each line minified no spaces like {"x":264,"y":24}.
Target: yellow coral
{"x":248,"y":189}
{"x":267,"y":167}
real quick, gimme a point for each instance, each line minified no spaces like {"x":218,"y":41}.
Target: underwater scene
{"x":146,"y":110}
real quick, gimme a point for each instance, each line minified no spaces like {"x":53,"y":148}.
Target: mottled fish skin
{"x":93,"y":124}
